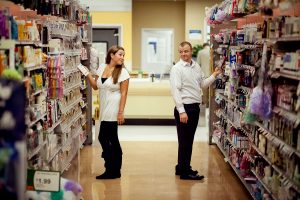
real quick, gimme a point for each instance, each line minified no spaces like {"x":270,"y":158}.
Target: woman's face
{"x":118,"y":57}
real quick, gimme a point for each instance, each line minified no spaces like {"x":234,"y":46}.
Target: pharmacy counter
{"x":149,"y":100}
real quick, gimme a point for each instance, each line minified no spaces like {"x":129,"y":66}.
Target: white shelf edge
{"x":67,"y":90}
{"x":264,"y":185}
{"x":58,"y":149}
{"x":77,"y":116}
{"x":35,"y":67}
{"x":65,"y":109}
{"x":35,"y":121}
{"x":38,"y":92}
{"x":70,"y":71}
{"x":35,"y":151}
{"x":68,"y":163}
{"x":49,"y":130}
{"x":286,"y":74}
{"x":234,"y":169}
{"x":261,"y":154}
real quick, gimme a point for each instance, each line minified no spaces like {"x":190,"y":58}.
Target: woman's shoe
{"x":107,"y":175}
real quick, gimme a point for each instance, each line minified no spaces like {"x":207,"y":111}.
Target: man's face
{"x":185,"y":53}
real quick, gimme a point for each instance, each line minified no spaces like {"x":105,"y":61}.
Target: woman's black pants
{"x":112,"y":151}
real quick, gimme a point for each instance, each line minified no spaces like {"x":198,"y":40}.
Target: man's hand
{"x":217,"y":71}
{"x":183,"y":117}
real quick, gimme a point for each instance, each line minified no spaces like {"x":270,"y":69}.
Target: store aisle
{"x":148,"y":171}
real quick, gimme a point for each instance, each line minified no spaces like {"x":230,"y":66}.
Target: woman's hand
{"x":120,"y":118}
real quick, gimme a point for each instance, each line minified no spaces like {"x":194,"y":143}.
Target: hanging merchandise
{"x":12,"y":113}
{"x":12,"y":137}
{"x":230,"y":9}
{"x":45,"y":51}
{"x":8,"y":180}
{"x":54,"y":71}
{"x":261,"y":97}
{"x":257,"y":101}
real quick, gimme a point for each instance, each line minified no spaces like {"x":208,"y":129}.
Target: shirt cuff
{"x":212,"y":78}
{"x":181,"y":109}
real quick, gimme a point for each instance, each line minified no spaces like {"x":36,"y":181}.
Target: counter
{"x":149,"y":100}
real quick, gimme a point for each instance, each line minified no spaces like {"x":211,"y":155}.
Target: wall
{"x":123,"y":19}
{"x":194,"y":18}
{"x":156,"y":14}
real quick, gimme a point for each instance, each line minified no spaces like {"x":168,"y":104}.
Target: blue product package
{"x":12,"y":110}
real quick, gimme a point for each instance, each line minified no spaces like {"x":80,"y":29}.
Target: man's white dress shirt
{"x":186,"y":80}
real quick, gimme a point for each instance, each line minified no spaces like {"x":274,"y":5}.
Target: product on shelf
{"x":46,"y":51}
{"x":258,"y":98}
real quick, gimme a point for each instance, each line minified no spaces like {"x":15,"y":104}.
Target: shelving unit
{"x":56,"y":118}
{"x":273,"y":144}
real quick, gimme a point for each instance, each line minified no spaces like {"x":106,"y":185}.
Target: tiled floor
{"x":150,"y":154}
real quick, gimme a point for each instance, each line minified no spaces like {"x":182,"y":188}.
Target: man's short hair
{"x":205,"y":44}
{"x":186,"y":43}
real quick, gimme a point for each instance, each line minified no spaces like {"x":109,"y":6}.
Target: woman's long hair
{"x":117,"y":71}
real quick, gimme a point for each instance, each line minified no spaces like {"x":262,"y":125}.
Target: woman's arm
{"x":124,"y":91}
{"x":85,"y":71}
{"x":92,"y":81}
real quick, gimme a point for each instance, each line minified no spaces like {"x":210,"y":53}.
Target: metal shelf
{"x":35,"y":151}
{"x":70,"y":71}
{"x":60,"y":35}
{"x":261,"y":154}
{"x":53,"y":155}
{"x":35,"y":67}
{"x":38,"y":92}
{"x":38,"y":119}
{"x":82,"y":142}
{"x":67,"y":90}
{"x":68,"y":163}
{"x":73,"y":53}
{"x":264,"y":185}
{"x":283,"y":143}
{"x":69,"y":141}
{"x":35,"y":43}
{"x":64,"y":109}
{"x":78,"y":115}
{"x":49,"y":130}
{"x":234,"y":168}
{"x":285,"y":73}
{"x":286,"y":39}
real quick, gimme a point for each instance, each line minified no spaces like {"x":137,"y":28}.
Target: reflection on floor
{"x":149,"y":157}
{"x":153,"y":133}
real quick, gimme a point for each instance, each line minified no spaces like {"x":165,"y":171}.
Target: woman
{"x":113,"y":86}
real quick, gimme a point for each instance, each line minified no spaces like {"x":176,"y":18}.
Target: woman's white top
{"x":110,"y":95}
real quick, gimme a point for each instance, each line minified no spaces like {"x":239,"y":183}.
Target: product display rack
{"x":86,"y":38}
{"x":57,"y":109}
{"x":267,"y":157}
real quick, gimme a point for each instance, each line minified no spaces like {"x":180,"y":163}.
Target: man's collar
{"x":186,"y":64}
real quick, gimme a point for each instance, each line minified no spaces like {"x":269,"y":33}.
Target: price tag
{"x":43,"y":180}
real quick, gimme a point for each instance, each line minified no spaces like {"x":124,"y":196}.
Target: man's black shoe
{"x":193,"y":172}
{"x":191,"y":177}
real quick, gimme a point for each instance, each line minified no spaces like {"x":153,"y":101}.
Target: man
{"x":204,"y":62}
{"x":186,"y":80}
